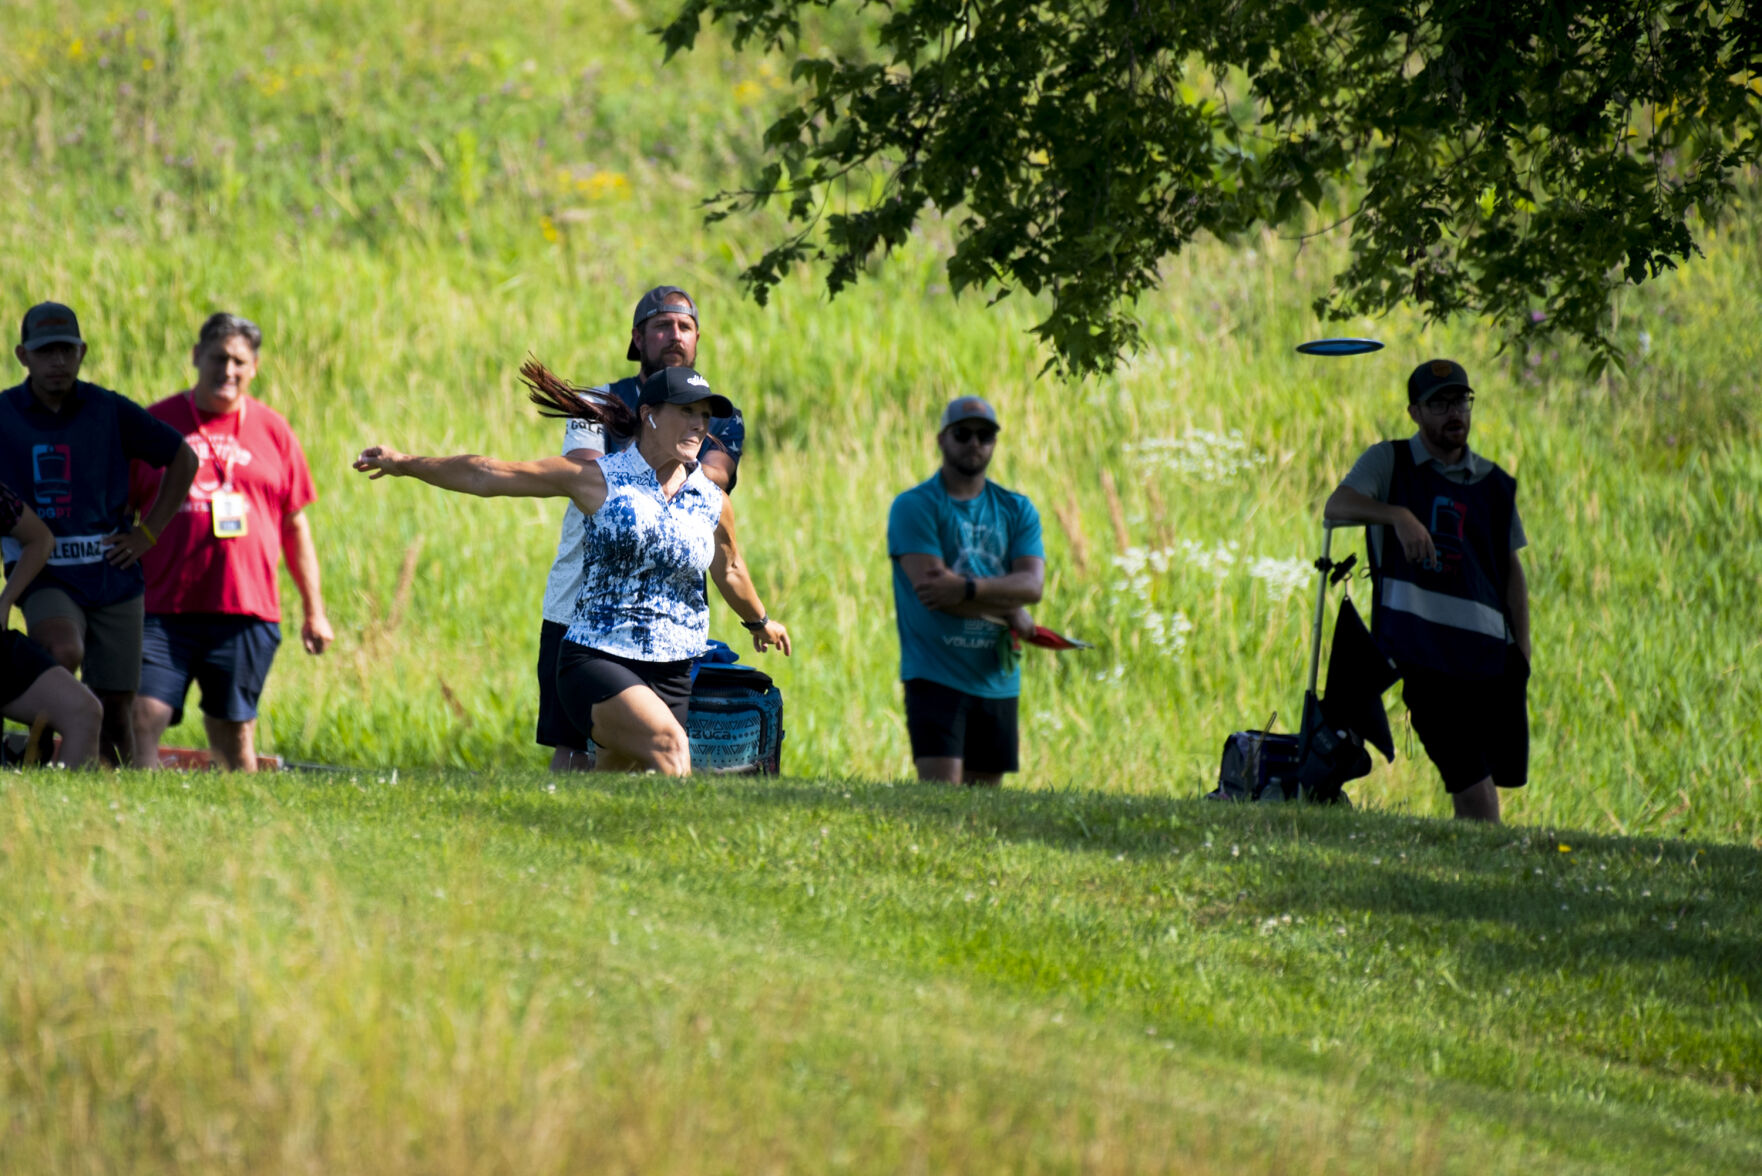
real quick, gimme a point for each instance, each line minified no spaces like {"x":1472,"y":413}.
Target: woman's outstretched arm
{"x":728,"y":570}
{"x":467,"y":473}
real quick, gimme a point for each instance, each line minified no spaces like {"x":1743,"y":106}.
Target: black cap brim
{"x":36,"y":344}
{"x":720,"y":405}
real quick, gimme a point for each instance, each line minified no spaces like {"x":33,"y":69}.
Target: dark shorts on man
{"x":587,"y":677}
{"x":227,"y":656}
{"x":945,"y":723}
{"x":1473,"y":728}
{"x":111,"y":634}
{"x":555,"y":728}
{"x":22,"y":662}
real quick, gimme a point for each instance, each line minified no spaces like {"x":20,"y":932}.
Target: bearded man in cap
{"x":65,"y":447}
{"x":967,"y":561}
{"x":663,"y":334}
{"x":1451,"y":606}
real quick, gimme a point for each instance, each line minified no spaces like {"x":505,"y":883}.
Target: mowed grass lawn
{"x":439,"y":973}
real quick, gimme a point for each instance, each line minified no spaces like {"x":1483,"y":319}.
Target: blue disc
{"x":1339,"y":346}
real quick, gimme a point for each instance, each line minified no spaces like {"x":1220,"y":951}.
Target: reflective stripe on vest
{"x":1441,"y":609}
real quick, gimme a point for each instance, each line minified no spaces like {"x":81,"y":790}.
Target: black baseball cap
{"x":1432,"y":377}
{"x":662,"y":299}
{"x":46,"y":323}
{"x":682,"y":385}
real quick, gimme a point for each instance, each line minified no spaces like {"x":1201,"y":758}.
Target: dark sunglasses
{"x":962,"y":434}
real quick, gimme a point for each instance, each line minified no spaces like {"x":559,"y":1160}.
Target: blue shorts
{"x":228,"y":656}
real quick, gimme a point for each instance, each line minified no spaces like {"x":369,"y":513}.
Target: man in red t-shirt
{"x":213,"y":602}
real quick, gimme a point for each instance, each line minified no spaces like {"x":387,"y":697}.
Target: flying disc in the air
{"x":1339,"y":346}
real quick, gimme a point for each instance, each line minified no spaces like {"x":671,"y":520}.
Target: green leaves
{"x":1078,"y":145}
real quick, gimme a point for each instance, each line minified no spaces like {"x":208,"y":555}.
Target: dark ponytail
{"x":561,"y":400}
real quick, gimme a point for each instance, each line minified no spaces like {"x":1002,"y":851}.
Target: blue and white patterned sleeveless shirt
{"x":643,"y":562}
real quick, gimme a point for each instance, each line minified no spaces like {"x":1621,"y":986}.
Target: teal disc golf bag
{"x":735,"y":722}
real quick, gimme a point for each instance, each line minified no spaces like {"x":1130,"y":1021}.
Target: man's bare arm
{"x":1517,"y":600}
{"x":1346,"y":505}
{"x":994,"y":597}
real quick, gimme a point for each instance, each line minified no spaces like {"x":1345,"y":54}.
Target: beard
{"x":669,"y":355}
{"x":971,"y":465}
{"x":1450,"y":435}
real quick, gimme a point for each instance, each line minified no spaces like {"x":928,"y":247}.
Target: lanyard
{"x":238,"y":430}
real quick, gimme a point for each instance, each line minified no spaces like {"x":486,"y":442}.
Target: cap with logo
{"x":967,"y":408}
{"x":682,"y":385}
{"x":660,"y":300}
{"x":46,"y":323}
{"x":1432,"y":377}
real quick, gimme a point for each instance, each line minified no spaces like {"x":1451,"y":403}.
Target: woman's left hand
{"x":771,"y":634}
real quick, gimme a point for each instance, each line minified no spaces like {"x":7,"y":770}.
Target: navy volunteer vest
{"x":1451,"y":618}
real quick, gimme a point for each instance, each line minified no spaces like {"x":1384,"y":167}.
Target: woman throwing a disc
{"x":655,"y":524}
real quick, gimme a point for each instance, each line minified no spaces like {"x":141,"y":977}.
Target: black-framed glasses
{"x":1439,"y":407}
{"x":962,"y":434}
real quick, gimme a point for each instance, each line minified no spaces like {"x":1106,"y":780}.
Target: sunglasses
{"x":962,"y":434}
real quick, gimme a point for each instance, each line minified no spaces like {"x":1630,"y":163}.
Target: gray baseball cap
{"x":49,"y":322}
{"x":967,"y":408}
{"x":662,"y":299}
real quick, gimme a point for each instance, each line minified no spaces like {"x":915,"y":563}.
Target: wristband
{"x":756,"y":626}
{"x":152,"y":539}
{"x":972,"y":587}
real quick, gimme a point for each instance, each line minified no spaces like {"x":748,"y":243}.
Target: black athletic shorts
{"x":1474,"y":728}
{"x":22,"y":662}
{"x":587,"y":677}
{"x":945,"y":723}
{"x":554,"y":726}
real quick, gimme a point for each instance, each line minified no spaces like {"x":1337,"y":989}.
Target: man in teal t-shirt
{"x":967,"y":561}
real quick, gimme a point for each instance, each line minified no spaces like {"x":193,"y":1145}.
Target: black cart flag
{"x":1358,"y":673}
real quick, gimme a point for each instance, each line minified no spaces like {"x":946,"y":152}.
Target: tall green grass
{"x":412,"y":201}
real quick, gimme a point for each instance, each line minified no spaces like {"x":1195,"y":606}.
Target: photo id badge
{"x":227,"y":508}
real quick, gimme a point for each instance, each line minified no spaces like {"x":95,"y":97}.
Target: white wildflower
{"x":1281,"y":576}
{"x":1201,"y":455}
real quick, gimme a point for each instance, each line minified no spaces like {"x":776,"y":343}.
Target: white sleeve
{"x":583,"y":435}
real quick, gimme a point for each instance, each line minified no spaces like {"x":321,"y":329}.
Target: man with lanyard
{"x":967,"y":561}
{"x":663,"y":334}
{"x":1451,"y":608}
{"x":65,"y":446}
{"x":213,"y":598}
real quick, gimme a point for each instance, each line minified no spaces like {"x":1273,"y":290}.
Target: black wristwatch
{"x":755,"y":626}
{"x":972,"y":587}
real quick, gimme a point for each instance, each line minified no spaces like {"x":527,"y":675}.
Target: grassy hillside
{"x":439,"y":974}
{"x":410,"y":203}
{"x":425,"y":969}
